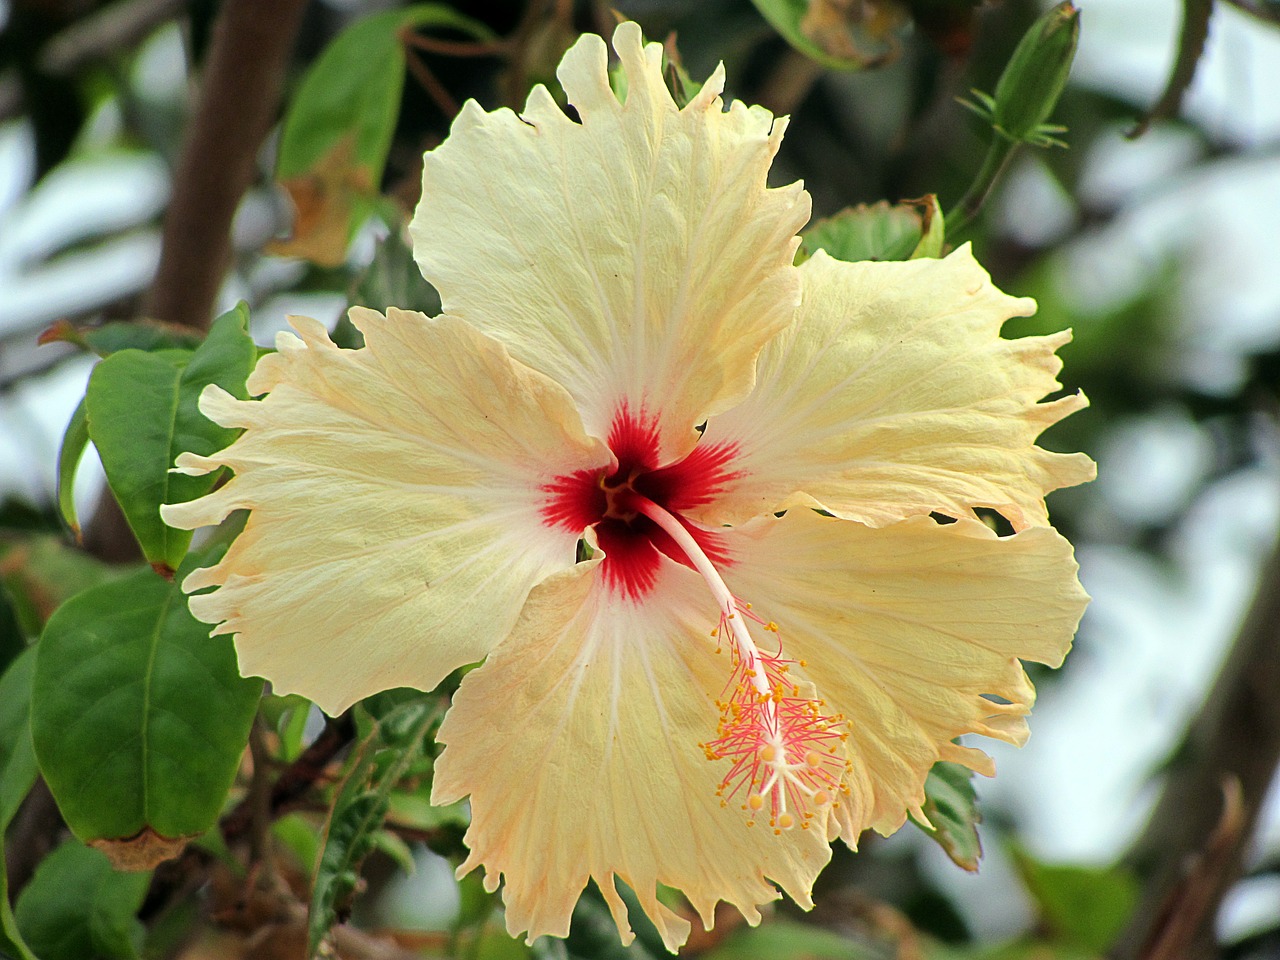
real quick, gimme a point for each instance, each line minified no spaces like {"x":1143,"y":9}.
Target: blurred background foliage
{"x":1159,"y":251}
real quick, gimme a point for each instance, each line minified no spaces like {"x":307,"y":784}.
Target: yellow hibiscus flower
{"x":773,"y":639}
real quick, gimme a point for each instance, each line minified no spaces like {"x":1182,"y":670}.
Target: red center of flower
{"x":610,"y":500}
{"x":784,"y":750}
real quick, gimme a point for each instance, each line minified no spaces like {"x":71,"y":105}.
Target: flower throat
{"x":786,"y":757}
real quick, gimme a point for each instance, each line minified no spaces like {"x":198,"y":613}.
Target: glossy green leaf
{"x":17,"y":760}
{"x":1084,"y":907}
{"x":74,"y":442}
{"x":76,"y":907}
{"x":17,"y":775}
{"x":142,"y":412}
{"x":339,"y":127}
{"x":952,"y":807}
{"x":394,"y":744}
{"x":12,"y":945}
{"x":352,"y":91}
{"x":138,"y":717}
{"x":878,"y":231}
{"x":857,"y":46}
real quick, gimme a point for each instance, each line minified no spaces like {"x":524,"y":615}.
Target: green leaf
{"x":17,"y":775}
{"x":1084,"y":907}
{"x":11,"y":942}
{"x":138,"y":717}
{"x":352,"y":90}
{"x":17,"y":760}
{"x":877,"y":232}
{"x":143,"y":412}
{"x":849,"y":46}
{"x":339,"y":127}
{"x":74,"y":441}
{"x":76,"y":906}
{"x":951,"y":806}
{"x":40,"y":571}
{"x":393,"y":745}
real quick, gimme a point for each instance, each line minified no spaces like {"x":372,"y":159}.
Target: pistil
{"x":785,"y":750}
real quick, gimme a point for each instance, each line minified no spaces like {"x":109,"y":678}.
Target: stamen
{"x":729,"y":621}
{"x":786,"y":752}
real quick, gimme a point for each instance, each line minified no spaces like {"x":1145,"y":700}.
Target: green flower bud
{"x":1029,"y":88}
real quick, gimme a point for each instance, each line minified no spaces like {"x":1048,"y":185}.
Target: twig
{"x":239,"y":98}
{"x":1182,"y":917}
{"x":1236,"y":735}
{"x":455,"y":48}
{"x":296,"y":779}
{"x":1191,"y":41}
{"x":438,"y":92}
{"x":259,"y":799}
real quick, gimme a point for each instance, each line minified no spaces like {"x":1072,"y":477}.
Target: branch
{"x":297,"y":779}
{"x":1235,"y":736}
{"x":1191,"y":40}
{"x":239,"y":99}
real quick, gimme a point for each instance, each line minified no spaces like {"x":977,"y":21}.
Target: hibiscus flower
{"x":708,"y":517}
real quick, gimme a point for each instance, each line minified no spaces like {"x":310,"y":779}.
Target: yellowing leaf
{"x":325,"y":200}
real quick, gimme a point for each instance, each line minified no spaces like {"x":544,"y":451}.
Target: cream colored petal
{"x":394,"y":494}
{"x":893,"y":394}
{"x":636,"y":257}
{"x":908,"y":630}
{"x":577,"y":742}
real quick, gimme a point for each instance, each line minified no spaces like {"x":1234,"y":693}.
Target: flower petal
{"x":908,"y":630}
{"x":394,"y":491}
{"x":636,"y":257}
{"x":578,"y":743}
{"x":893,"y":394}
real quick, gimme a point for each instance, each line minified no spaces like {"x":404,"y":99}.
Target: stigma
{"x":786,"y":754}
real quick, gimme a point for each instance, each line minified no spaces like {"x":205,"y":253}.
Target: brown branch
{"x":238,"y":102}
{"x":1184,"y":917}
{"x":1191,"y":40}
{"x":1235,"y":736}
{"x":298,"y":778}
{"x":438,"y":92}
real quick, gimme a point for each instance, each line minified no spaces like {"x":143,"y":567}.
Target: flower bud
{"x":1029,"y":88}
